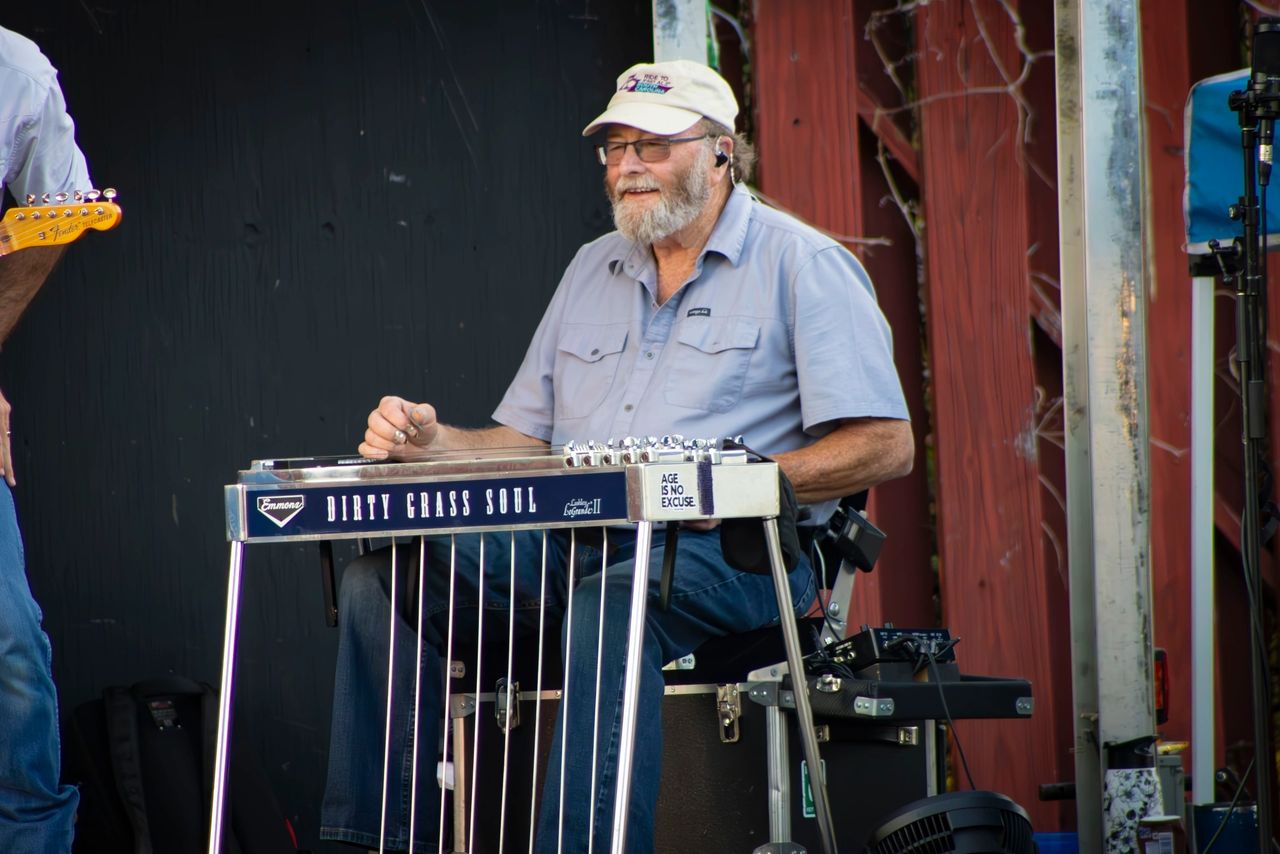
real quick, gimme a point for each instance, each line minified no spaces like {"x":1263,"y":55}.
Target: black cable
{"x":1231,"y":809}
{"x":951,"y":724}
{"x":915,"y":645}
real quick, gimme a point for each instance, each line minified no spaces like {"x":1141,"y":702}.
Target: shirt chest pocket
{"x":587,"y":359}
{"x":710,"y":363}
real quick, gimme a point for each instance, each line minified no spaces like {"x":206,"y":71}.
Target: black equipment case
{"x":879,"y":738}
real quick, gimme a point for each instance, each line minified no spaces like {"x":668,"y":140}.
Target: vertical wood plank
{"x":995,"y":593}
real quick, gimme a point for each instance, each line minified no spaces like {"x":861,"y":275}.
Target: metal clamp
{"x":771,"y":694}
{"x":873,"y":707}
{"x":461,"y":705}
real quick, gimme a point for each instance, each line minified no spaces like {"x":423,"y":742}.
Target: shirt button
{"x":595,"y":352}
{"x":649,"y":355}
{"x":627,"y":408}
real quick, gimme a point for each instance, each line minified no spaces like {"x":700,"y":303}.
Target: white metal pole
{"x":680,"y":30}
{"x":1101,"y":156}
{"x":1203,"y":695}
{"x":1075,"y":390}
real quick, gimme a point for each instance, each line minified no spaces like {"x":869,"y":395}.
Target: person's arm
{"x":401,"y":430}
{"x":21,"y":275}
{"x":856,"y":455}
{"x":42,"y":157}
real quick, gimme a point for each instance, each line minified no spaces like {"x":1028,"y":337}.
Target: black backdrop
{"x":324,"y":202}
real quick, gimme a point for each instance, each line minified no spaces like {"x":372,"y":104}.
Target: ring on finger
{"x":399,"y":437}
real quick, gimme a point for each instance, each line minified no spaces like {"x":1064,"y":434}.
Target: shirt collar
{"x":730,"y":233}
{"x":727,"y":237}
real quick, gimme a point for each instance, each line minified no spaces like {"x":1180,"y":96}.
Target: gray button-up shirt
{"x":776,"y":336}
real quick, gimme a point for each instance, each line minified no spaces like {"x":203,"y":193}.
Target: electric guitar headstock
{"x":60,"y":218}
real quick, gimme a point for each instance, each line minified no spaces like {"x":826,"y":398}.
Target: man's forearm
{"x":854,"y":456}
{"x":466,"y":439}
{"x":21,"y":275}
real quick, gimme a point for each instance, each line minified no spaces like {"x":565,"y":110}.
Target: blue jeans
{"x":36,"y":813}
{"x":708,"y":599}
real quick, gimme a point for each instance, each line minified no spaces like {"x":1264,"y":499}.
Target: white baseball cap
{"x":667,"y":97}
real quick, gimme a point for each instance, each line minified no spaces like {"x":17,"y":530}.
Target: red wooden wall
{"x":950,"y":107}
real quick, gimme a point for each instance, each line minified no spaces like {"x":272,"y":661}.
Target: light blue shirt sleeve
{"x":843,"y":345}
{"x":37,"y":135}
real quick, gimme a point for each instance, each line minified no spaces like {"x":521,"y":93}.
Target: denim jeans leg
{"x":353,"y":801}
{"x":36,"y":813}
{"x":352,"y":809}
{"x":708,"y":599}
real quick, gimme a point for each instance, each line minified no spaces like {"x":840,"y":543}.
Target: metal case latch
{"x":728,"y":710}
{"x":506,"y":705}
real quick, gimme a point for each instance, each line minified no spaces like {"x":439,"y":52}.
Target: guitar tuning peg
{"x":61,"y":198}
{"x":31,"y":199}
{"x":78,"y":196}
{"x":109,"y":193}
{"x":92,"y":196}
{"x":44,"y":198}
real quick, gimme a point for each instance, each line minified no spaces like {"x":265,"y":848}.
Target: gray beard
{"x":677,"y":207}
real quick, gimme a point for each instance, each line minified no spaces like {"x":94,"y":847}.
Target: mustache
{"x":637,"y":183}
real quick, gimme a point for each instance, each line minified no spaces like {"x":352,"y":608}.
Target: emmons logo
{"x":281,"y":508}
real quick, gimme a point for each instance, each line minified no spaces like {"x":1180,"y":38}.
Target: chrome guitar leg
{"x":218,"y":815}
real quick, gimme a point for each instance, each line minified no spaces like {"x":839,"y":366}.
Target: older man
{"x":705,"y":314}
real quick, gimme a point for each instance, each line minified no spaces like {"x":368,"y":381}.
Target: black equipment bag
{"x":143,"y":758}
{"x":743,"y":542}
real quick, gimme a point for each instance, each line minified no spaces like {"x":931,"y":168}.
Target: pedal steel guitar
{"x":631,"y":481}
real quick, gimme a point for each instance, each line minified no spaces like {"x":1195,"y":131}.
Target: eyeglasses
{"x":652,"y":150}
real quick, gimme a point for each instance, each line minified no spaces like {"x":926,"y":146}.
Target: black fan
{"x":955,"y":823}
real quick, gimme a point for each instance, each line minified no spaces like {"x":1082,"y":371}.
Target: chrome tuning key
{"x":612,"y":455}
{"x":570,"y":451}
{"x":630,"y":450}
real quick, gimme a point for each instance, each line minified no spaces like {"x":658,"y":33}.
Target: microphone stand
{"x":1255,"y":107}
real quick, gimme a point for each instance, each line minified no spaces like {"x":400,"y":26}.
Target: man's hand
{"x":6,"y":453}
{"x":399,"y":430}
